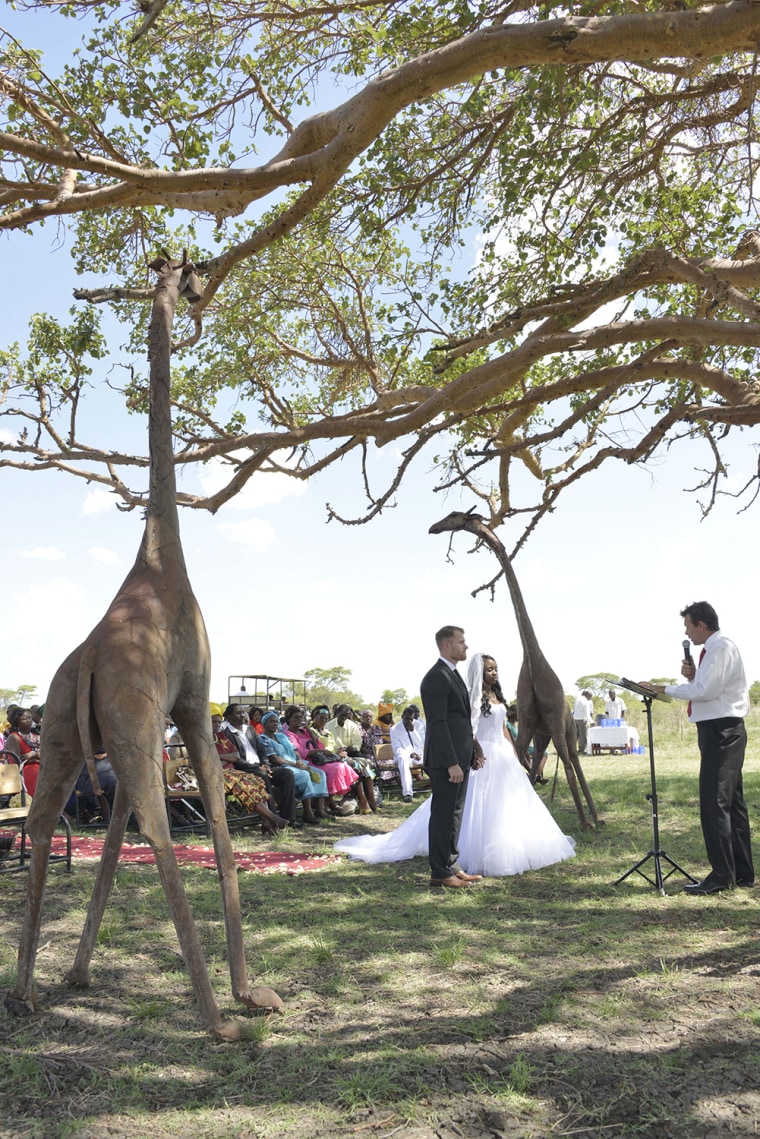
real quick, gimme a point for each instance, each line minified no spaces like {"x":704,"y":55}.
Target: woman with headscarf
{"x":245,"y":786}
{"x":311,"y":783}
{"x":506,"y":829}
{"x":384,"y":721}
{"x":341,"y":777}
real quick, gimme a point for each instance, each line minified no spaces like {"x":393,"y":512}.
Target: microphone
{"x":687,"y":651}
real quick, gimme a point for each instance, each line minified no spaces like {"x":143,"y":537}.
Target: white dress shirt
{"x":614,"y":709}
{"x":251,"y":755}
{"x":719,"y":687}
{"x":583,"y":709}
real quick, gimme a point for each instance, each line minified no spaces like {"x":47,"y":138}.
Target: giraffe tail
{"x":84,"y":720}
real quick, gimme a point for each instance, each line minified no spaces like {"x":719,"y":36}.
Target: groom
{"x":450,"y":752}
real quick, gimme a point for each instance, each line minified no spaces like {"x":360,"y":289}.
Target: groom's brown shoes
{"x":469,"y":877}
{"x":450,"y":883}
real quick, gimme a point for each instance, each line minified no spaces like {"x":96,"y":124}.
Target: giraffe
{"x":542,"y":711}
{"x":146,"y":659}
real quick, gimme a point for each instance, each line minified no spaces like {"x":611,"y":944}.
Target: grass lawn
{"x":550,"y":1004}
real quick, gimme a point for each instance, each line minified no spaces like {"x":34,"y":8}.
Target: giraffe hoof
{"x":229,"y":1032}
{"x":80,"y":978}
{"x":262,"y":999}
{"x":20,"y":1006}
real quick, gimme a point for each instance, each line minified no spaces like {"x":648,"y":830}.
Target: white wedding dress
{"x":506,"y":829}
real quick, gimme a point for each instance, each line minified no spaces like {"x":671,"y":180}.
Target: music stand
{"x":657,"y":854}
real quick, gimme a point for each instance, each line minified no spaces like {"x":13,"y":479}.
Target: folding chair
{"x":183,"y":800}
{"x":12,"y":784}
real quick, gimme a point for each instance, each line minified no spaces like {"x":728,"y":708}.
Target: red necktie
{"x":701,"y":658}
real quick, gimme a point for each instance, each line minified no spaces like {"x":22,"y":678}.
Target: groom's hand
{"x":456,"y":775}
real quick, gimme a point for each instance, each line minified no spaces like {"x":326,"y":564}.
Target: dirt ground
{"x":600,"y":1042}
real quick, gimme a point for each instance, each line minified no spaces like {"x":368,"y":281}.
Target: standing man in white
{"x":716,"y":689}
{"x":583,"y":714}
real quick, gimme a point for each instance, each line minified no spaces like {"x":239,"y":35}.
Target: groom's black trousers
{"x":446,"y":807}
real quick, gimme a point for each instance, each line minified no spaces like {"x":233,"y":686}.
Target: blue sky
{"x":282,"y":591}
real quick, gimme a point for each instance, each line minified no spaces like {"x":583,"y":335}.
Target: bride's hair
{"x":485,"y":703}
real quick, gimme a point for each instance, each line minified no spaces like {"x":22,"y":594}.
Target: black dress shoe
{"x":745,"y":883}
{"x":709,"y":886}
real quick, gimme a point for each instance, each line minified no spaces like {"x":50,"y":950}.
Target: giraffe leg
{"x":57,"y":776}
{"x":561,"y":747}
{"x":571,"y":740}
{"x":196,"y":734}
{"x":79,"y":974}
{"x":137,"y":762}
{"x":586,"y":790}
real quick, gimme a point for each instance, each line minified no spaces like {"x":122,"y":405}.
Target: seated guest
{"x":345,"y":731}
{"x":254,"y":718}
{"x":247,"y":788}
{"x":384,"y":721}
{"x":371,"y":734}
{"x":89,"y":805}
{"x":24,"y":743}
{"x":512,"y":729}
{"x":310,"y":781}
{"x":279,"y":780}
{"x":341,"y":777}
{"x":7,"y":724}
{"x":408,"y":742}
{"x":347,"y":734}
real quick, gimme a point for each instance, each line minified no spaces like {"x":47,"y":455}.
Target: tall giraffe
{"x":542,"y":711}
{"x":148,"y":658}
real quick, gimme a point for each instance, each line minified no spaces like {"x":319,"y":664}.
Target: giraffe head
{"x":458,"y":520}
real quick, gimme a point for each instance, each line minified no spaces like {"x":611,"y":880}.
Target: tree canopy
{"x":515,"y":237}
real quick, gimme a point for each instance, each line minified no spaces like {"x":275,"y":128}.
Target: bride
{"x":506,"y":828}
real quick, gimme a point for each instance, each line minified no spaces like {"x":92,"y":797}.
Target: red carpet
{"x":87,"y":849}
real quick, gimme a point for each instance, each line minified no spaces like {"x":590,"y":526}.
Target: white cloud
{"x":104,"y":556}
{"x":327,"y":585}
{"x":254,"y":532}
{"x":260,"y":490}
{"x":59,"y":605}
{"x":98,"y":501}
{"x":43,"y":553}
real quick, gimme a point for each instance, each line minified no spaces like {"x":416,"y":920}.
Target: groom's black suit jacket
{"x":448,"y":730}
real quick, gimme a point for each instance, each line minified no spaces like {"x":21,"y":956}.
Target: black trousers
{"x":282,"y":783}
{"x":446,"y":807}
{"x":723,"y":811}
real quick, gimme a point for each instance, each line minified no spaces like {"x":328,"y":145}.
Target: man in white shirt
{"x":345,"y":731}
{"x":408,"y":742}
{"x":716,"y":689}
{"x":583,"y":714}
{"x":614,"y":709}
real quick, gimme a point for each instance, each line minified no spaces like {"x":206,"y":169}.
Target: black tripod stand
{"x":657,"y":855}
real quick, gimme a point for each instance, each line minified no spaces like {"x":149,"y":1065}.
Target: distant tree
{"x":21,"y":694}
{"x":754,"y":692}
{"x":598,"y":682}
{"x":330,"y":686}
{"x":395,"y":696}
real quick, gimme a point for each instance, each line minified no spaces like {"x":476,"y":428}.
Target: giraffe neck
{"x":161,"y":538}
{"x":528,"y":637}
